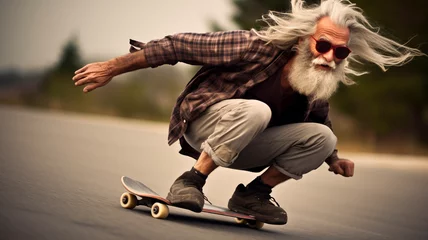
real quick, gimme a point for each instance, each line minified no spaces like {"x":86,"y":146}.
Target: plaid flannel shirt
{"x":232,"y":62}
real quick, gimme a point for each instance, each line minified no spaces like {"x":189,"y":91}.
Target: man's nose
{"x":329,"y":56}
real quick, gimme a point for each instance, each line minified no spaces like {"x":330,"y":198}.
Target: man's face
{"x":328,"y":31}
{"x":317,"y":74}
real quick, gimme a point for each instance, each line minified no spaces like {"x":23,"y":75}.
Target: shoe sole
{"x":258,"y":216}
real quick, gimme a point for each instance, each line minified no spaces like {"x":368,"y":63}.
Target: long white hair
{"x":284,"y":30}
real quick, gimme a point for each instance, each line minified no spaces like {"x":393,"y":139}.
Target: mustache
{"x":321,"y":61}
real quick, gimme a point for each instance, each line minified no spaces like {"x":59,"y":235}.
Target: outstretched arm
{"x":95,"y":75}
{"x":219,"y":48}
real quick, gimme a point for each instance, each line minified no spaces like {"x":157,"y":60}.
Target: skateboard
{"x":139,"y":194}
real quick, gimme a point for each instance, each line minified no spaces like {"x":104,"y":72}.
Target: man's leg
{"x":273,"y":177}
{"x":290,"y":151}
{"x":186,"y":191}
{"x":205,"y":164}
{"x":220,"y":133}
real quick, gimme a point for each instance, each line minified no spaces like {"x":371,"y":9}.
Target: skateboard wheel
{"x":255,"y":224}
{"x":160,"y":210}
{"x":240,"y":221}
{"x":128,"y":201}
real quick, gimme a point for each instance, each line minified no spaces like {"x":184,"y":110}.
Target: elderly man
{"x":260,"y":99}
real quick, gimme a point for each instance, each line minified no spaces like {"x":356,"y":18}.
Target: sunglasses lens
{"x":342,"y":52}
{"x":323,"y":46}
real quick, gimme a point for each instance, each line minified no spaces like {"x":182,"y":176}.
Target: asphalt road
{"x":60,"y":179}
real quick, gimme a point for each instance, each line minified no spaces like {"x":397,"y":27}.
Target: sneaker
{"x":186,"y":192}
{"x":257,"y":204}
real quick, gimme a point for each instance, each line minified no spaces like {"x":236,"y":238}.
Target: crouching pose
{"x":260,"y":100}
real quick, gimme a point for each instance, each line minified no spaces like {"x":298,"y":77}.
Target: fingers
{"x":91,"y":75}
{"x":83,"y":81}
{"x":79,"y":76}
{"x":343,"y":167}
{"x":336,"y":170}
{"x":86,"y":79}
{"x":349,"y":170}
{"x":340,"y":171}
{"x":81,"y":70}
{"x":91,"y":87}
{"x":346,"y":170}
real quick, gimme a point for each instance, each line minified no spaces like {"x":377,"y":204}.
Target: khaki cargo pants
{"x":233,"y":132}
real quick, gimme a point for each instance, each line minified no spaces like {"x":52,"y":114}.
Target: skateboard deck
{"x":159,"y":205}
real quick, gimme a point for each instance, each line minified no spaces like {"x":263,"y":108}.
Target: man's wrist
{"x":332,"y":159}
{"x":127,"y":63}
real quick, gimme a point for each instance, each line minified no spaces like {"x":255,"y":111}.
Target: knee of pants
{"x":324,"y":144}
{"x":252,"y":116}
{"x":316,"y":143}
{"x":256,"y":113}
{"x":325,"y":136}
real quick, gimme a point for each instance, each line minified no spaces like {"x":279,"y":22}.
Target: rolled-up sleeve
{"x":218,"y":48}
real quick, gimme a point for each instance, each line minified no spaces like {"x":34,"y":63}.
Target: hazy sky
{"x":33,"y":31}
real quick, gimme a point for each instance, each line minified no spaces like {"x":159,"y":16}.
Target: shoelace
{"x":206,"y":198}
{"x":191,"y":183}
{"x":273,"y":199}
{"x":269,"y":198}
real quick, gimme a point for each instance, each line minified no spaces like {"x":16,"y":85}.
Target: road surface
{"x":60,"y":179}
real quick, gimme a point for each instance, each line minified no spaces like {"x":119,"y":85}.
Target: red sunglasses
{"x":323,"y":46}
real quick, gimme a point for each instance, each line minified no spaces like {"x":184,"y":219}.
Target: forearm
{"x":127,"y":63}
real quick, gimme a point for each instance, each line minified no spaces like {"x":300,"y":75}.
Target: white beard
{"x":305,"y":78}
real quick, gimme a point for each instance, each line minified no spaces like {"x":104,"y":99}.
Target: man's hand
{"x":93,"y":75}
{"x":343,"y":167}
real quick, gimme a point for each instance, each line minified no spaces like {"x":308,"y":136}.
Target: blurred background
{"x":44,"y":41}
{"x":62,"y":152}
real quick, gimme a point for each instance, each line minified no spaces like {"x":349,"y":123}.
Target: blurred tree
{"x":388,"y":105}
{"x":393,"y":104}
{"x":70,"y":59}
{"x":56,"y":87}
